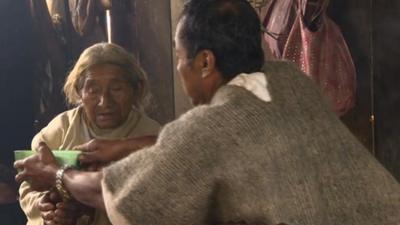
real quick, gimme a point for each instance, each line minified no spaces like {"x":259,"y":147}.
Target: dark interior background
{"x":371,"y":28}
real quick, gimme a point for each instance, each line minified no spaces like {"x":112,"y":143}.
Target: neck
{"x":213,"y":84}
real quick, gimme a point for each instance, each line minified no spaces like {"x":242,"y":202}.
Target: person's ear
{"x":208,"y":63}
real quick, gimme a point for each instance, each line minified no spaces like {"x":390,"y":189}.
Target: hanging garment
{"x":278,"y":21}
{"x":51,"y":62}
{"x":316,"y":44}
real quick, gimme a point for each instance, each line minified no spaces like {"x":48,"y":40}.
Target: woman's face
{"x":107,"y":96}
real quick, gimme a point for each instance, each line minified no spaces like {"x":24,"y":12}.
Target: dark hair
{"x":229,"y":28}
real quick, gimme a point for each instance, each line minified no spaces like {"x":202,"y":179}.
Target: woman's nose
{"x":106,"y":99}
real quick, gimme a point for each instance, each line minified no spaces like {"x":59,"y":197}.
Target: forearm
{"x":125,"y":147}
{"x":134,"y":144}
{"x":85,"y":187}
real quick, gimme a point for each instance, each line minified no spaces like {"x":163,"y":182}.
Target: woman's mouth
{"x":106,"y":116}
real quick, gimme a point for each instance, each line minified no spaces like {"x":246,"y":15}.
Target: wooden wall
{"x":354,"y":19}
{"x":152,"y":42}
{"x":372,"y":31}
{"x":386,"y":55}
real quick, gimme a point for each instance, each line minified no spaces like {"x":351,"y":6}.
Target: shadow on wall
{"x":371,"y":29}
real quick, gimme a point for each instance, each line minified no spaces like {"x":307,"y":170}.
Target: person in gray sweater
{"x":261,"y":147}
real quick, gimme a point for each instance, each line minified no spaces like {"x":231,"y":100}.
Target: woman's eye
{"x":116,"y":87}
{"x":92,"y":89}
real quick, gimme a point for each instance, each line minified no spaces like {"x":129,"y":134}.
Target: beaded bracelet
{"x":60,"y":184}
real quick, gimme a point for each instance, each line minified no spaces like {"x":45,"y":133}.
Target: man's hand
{"x":105,"y":151}
{"x":39,"y":169}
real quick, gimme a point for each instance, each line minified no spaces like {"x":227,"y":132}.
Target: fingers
{"x":89,"y":151}
{"x":82,"y":147}
{"x":55,"y":196}
{"x":88,"y":157}
{"x":46,"y":209}
{"x":19,"y":164}
{"x":88,"y":146}
{"x":43,"y":145}
{"x":94,"y":167}
{"x":47,"y":216}
{"x":39,"y":173}
{"x":46,"y":206}
{"x":45,"y":152}
{"x":70,"y":206}
{"x":66,"y":213}
{"x":21,"y":176}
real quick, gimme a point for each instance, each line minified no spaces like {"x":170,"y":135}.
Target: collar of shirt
{"x":256,"y":83}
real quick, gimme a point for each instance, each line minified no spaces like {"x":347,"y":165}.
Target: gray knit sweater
{"x":239,"y":158}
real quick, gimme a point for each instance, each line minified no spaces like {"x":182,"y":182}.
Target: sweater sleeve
{"x":168,"y":183}
{"x":28,"y":200}
{"x":51,"y":134}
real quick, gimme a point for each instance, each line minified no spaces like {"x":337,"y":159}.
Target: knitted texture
{"x":241,"y":159}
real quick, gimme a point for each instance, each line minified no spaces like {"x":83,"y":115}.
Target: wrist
{"x":60,"y":183}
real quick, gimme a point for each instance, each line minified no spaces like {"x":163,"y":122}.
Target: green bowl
{"x":64,"y":157}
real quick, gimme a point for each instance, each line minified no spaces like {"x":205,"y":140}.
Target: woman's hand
{"x":39,"y":169}
{"x":54,"y":211}
{"x":67,"y":213}
{"x":105,"y":151}
{"x":47,"y":206}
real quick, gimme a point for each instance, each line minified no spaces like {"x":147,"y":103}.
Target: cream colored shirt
{"x":70,"y":129}
{"x":256,"y":83}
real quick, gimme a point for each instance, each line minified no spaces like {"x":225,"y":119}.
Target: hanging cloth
{"x":316,"y":44}
{"x":278,"y":21}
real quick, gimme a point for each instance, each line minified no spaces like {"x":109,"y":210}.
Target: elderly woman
{"x":107,"y":87}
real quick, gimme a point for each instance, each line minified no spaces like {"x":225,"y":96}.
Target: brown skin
{"x":40,"y":170}
{"x":85,"y":187}
{"x":54,"y":211}
{"x":107,"y":96}
{"x":47,"y":206}
{"x":199,"y":76}
{"x":105,"y":151}
{"x":201,"y":79}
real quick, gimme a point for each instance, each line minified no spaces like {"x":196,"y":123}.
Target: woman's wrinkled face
{"x":107,"y":96}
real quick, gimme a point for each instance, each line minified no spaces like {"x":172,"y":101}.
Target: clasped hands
{"x":55,"y":211}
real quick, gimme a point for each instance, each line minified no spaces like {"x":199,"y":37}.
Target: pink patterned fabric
{"x":278,"y":21}
{"x":323,"y":55}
